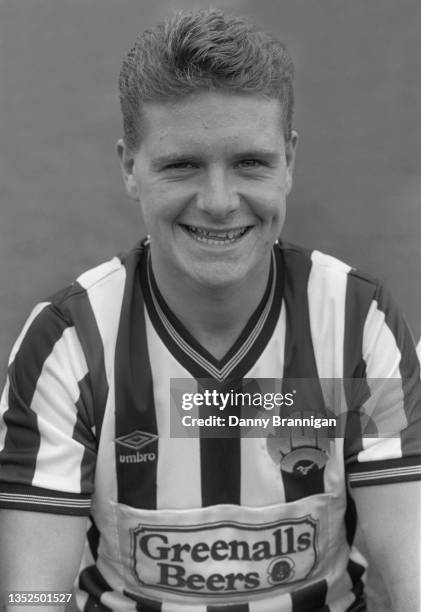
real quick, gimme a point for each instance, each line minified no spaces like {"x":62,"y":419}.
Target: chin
{"x":218,"y":277}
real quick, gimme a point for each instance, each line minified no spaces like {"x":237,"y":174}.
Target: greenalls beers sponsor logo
{"x":224,"y":558}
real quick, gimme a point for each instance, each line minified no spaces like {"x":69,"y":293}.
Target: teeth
{"x":214,"y":237}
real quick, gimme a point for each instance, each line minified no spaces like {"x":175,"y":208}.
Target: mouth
{"x":215,"y":236}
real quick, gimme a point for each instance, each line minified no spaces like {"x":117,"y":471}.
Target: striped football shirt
{"x":200,"y":522}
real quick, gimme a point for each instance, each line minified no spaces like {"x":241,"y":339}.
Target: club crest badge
{"x":304,"y":461}
{"x":301,"y":457}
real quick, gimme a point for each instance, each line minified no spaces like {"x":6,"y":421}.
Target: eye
{"x":180,"y":165}
{"x":250,"y":163}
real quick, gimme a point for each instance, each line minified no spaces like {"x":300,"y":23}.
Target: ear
{"x":290,"y":150}
{"x":126,"y":158}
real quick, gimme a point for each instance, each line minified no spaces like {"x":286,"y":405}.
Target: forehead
{"x":210,"y":118}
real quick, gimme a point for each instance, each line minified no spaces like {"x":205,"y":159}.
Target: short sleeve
{"x":383,"y":433}
{"x":47,"y":440}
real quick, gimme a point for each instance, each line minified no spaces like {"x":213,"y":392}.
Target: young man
{"x":212,"y":301}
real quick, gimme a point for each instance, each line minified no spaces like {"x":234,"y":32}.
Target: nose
{"x":218,"y":196}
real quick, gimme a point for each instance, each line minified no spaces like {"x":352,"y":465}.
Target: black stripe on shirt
{"x":78,"y":306}
{"x":300,"y":363}
{"x":350,"y":518}
{"x":311,"y":598}
{"x":220,"y":464}
{"x":93,"y":536}
{"x":358,"y":606}
{"x":359,"y":295}
{"x":409,"y":367}
{"x":22,"y":440}
{"x":356,"y":573}
{"x":143,"y":604}
{"x":228,"y":608}
{"x":135,"y":406}
{"x":83,"y":434}
{"x":92,"y":582}
{"x":220,"y":460}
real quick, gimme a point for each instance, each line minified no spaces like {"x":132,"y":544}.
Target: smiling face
{"x":211,"y":174}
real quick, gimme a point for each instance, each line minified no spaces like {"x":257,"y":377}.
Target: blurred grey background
{"x":357,"y":192}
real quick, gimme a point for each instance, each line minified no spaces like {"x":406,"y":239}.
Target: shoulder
{"x":104,"y":279}
{"x":318,"y":262}
{"x":320,"y":271}
{"x":328,"y":284}
{"x":98,"y":289}
{"x":84,"y":310}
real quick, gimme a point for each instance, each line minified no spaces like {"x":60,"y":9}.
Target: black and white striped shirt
{"x":210,"y":523}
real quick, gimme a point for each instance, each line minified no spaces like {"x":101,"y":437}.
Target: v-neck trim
{"x":190,"y":353}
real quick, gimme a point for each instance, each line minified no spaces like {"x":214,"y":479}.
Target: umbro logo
{"x":136,"y":440}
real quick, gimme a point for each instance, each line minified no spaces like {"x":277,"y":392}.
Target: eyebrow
{"x":169,"y":158}
{"x":268,"y":154}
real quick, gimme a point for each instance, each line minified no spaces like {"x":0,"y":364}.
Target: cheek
{"x":276,"y":200}
{"x":270,"y":192}
{"x":158,"y":218}
{"x":161,"y":202}
{"x":270,"y":207}
{"x":271,"y":211}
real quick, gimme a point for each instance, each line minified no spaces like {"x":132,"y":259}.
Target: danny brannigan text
{"x":263,"y":422}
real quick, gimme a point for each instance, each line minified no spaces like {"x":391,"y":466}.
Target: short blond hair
{"x":203,"y":50}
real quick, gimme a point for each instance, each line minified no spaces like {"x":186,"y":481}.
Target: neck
{"x":215,"y":316}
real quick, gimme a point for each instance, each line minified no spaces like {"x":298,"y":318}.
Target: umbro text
{"x":137,"y":458}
